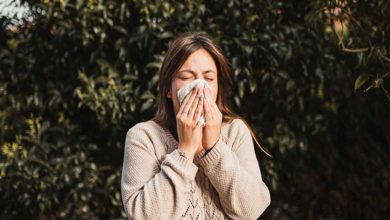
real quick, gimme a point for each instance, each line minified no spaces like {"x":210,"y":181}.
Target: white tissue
{"x":183,"y":91}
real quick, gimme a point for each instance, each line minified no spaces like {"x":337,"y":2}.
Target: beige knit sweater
{"x":158,"y":183}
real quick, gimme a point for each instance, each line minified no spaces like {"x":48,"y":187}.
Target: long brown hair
{"x":181,"y":48}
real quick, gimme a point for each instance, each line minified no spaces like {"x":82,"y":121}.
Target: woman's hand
{"x":190,"y":134}
{"x":213,"y":118}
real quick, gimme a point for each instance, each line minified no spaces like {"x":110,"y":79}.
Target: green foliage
{"x":310,"y":76}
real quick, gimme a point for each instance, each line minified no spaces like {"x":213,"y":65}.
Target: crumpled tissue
{"x":183,"y":91}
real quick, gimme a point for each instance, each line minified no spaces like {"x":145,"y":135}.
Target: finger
{"x":190,"y":101}
{"x":209,"y":102}
{"x":207,"y":112}
{"x":213,"y":106}
{"x":198,"y":111}
{"x":194,"y":104}
{"x":184,"y":102}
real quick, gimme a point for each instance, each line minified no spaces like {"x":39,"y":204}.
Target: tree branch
{"x":384,"y":57}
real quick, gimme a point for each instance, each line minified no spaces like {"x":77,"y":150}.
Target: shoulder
{"x":145,"y":127}
{"x":144,"y":131}
{"x":236,"y":132}
{"x":237,"y":127}
{"x":146,"y":136}
{"x":238,"y":123}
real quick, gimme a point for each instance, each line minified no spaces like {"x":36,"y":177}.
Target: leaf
{"x":120,"y":30}
{"x":361,"y":80}
{"x":146,"y":105}
{"x":105,"y":65}
{"x":166,"y":34}
{"x":241,"y":89}
{"x":155,"y":65}
{"x":252,"y":85}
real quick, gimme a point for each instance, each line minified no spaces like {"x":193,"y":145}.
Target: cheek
{"x":175,"y":100}
{"x":215,"y":96}
{"x":174,"y":95}
{"x":214,"y":92}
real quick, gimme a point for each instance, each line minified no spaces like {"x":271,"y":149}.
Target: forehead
{"x":200,"y":59}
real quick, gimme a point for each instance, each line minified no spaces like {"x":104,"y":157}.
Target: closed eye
{"x":185,"y":78}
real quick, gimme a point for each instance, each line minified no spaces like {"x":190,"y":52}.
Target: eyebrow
{"x":193,"y":72}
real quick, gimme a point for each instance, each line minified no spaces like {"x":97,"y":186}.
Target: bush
{"x":310,"y":76}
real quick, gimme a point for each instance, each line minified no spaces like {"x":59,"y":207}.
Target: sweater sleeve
{"x":235,"y":174}
{"x":150,"y":190}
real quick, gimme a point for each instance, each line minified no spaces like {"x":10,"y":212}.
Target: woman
{"x":175,"y":169}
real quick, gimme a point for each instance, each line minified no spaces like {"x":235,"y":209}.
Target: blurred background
{"x":311,"y":77}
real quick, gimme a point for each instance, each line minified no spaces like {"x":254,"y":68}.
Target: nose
{"x":199,"y":76}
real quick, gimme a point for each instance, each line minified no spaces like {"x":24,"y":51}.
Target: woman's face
{"x":199,"y":65}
